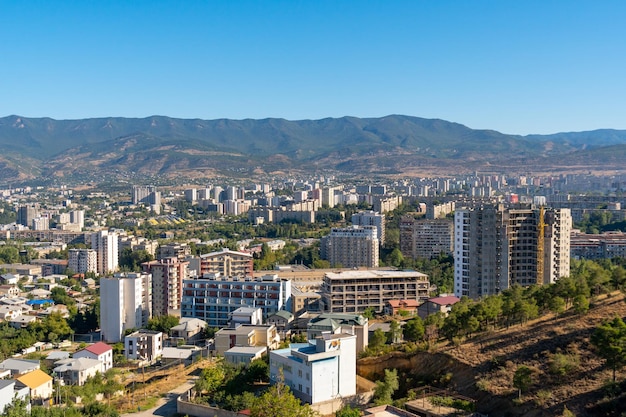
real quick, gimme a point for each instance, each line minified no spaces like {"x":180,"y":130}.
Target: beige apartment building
{"x":426,"y":238}
{"x":351,"y":247}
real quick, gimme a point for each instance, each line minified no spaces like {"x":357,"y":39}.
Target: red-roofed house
{"x":100,"y":351}
{"x":437,"y":305}
{"x":393,"y":307}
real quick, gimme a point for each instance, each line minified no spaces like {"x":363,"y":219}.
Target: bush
{"x":562,"y":364}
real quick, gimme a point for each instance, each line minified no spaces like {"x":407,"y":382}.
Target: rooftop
{"x":35,"y":378}
{"x":372,"y":274}
{"x":98,"y":348}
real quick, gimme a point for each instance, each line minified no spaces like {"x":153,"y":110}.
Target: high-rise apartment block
{"x":83,"y":260}
{"x":426,"y":238}
{"x":105,"y":243}
{"x":497,"y":247}
{"x":167,"y":284}
{"x":125,"y":303}
{"x":26,"y":215}
{"x":351,"y":247}
{"x":371,"y":218}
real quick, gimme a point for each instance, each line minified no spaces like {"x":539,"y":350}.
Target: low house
{"x":336,"y":323}
{"x":9,"y":290}
{"x":282,"y":320}
{"x":10,"y":279}
{"x":146,"y":345}
{"x":99,"y":351}
{"x":180,"y":355}
{"x":76,"y":371}
{"x":188,"y":329}
{"x":401,"y":307}
{"x":8,"y":313}
{"x":441,"y":304}
{"x":20,"y":366}
{"x":246,"y":315}
{"x":246,"y":335}
{"x":22,"y":322}
{"x":243,"y":355}
{"x":38,"y":382}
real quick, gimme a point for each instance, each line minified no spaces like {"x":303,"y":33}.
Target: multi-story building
{"x":125,"y":303}
{"x":355,"y":291}
{"x":179,"y":250}
{"x":83,"y":260}
{"x":213,"y":297}
{"x":426,"y":238}
{"x":105,"y":244}
{"x":26,"y":214}
{"x":598,"y":246}
{"x":371,"y":218}
{"x":225,"y":262}
{"x":319,"y":371}
{"x":351,"y":247}
{"x":497,"y":247}
{"x":145,"y":345}
{"x":167,"y":284}
{"x":246,"y":335}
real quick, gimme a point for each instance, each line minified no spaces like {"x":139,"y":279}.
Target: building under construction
{"x":496,"y":247}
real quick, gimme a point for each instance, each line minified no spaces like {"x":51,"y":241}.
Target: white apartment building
{"x":145,"y":345}
{"x":371,"y":218}
{"x":426,"y":239}
{"x":319,"y":371}
{"x":497,"y":247}
{"x":125,"y":303}
{"x":355,"y":291}
{"x":351,"y":247}
{"x":225,"y":262}
{"x":105,"y":243}
{"x":213,"y":297}
{"x":83,"y":260}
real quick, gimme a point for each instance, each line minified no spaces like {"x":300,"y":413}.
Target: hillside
{"x":483,"y":367}
{"x":391,"y":145}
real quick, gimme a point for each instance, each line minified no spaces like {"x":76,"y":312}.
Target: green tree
{"x":414,"y":330}
{"x":610,"y":341}
{"x":210,"y":380}
{"x":522,"y":379}
{"x":378,"y":339}
{"x":557,"y":305}
{"x":163,"y":323}
{"x":581,"y":304}
{"x":278,"y":401}
{"x":258,"y":370}
{"x":383,"y":393}
{"x":347,"y":411}
{"x":395,"y":332}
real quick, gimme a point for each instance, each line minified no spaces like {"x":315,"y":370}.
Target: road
{"x":166,"y":406}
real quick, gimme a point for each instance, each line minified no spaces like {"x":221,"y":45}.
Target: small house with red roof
{"x":442,"y":304}
{"x":394,"y":307}
{"x":100,"y":351}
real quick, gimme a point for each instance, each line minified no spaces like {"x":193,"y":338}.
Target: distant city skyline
{"x":519,"y":68}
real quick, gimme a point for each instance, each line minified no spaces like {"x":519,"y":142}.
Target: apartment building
{"x":598,"y":246}
{"x":497,"y":247}
{"x":105,"y":243}
{"x":146,"y":345}
{"x":125,"y":303}
{"x":225,"y":262}
{"x":214,"y":297}
{"x":168,"y":275}
{"x":371,"y":218}
{"x":355,"y":291}
{"x":426,"y":239}
{"x":351,"y":247}
{"x":83,"y":260}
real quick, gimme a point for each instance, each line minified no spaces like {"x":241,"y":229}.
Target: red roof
{"x":403,"y":303}
{"x":98,"y":348}
{"x":448,"y":300}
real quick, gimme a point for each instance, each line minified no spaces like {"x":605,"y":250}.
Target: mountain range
{"x":390,"y":145}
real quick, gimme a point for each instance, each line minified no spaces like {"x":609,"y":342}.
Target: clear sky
{"x":515,"y":66}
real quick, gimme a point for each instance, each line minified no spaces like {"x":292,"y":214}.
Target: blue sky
{"x":513,"y":66}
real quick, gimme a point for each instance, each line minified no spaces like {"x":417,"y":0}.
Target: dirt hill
{"x":483,"y":367}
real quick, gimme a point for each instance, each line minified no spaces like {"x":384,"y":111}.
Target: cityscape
{"x":312,"y":209}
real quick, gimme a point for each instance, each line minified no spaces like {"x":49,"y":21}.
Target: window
{"x":300,"y":373}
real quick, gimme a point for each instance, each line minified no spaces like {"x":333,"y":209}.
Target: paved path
{"x":165,"y":406}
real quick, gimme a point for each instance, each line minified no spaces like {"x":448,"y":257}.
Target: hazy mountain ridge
{"x":390,"y":144}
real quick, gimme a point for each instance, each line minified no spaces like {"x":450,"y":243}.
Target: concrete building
{"x":145,"y":345}
{"x":225,"y":262}
{"x":336,"y":323}
{"x":371,"y":218}
{"x":38,"y":382}
{"x":177,"y":250}
{"x":246,"y":315}
{"x":322,"y":370}
{"x":26,"y":214}
{"x":213,"y":297}
{"x":83,"y":260}
{"x":105,"y":244}
{"x":355,"y":291}
{"x":188,"y":330}
{"x":598,"y":246}
{"x":125,"y":303}
{"x":497,"y":247}
{"x":76,"y":371}
{"x":243,"y":335}
{"x":426,"y":238}
{"x":168,"y":275}
{"x":351,"y":247}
